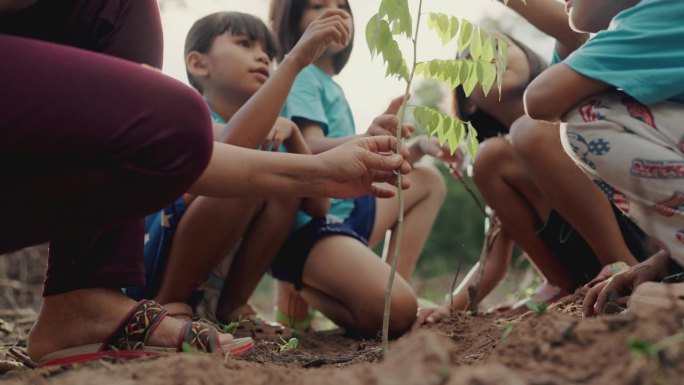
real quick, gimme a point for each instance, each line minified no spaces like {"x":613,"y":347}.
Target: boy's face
{"x":594,"y":15}
{"x":238,"y":65}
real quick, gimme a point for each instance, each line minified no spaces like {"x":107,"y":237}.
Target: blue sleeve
{"x":556,"y":58}
{"x":641,"y":52}
{"x":305,"y":100}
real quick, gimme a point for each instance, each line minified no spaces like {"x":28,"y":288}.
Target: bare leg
{"x":422,"y":203}
{"x":506,"y":186}
{"x":258,"y":249}
{"x":209,"y":229}
{"x":568,"y":190}
{"x":346,"y":281}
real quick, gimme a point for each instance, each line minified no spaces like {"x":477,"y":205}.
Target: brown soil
{"x":502,"y":348}
{"x":557,"y":347}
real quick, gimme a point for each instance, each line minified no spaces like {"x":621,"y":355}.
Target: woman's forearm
{"x":239,"y":172}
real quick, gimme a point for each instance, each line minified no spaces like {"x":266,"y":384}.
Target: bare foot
{"x":90,"y":316}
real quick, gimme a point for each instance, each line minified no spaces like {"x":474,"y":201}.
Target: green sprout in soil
{"x":508,"y":329}
{"x":288,"y":345}
{"x":652,"y":349}
{"x":229,"y":328}
{"x":538,"y":307}
{"x":187,"y":348}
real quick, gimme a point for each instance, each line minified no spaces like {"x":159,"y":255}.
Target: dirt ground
{"x":556,"y":347}
{"x":499,"y":348}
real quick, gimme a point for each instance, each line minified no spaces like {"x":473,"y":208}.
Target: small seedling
{"x":640,"y":347}
{"x":231,"y":327}
{"x":652,"y":350}
{"x":287,"y":345}
{"x":538,"y":307}
{"x":187,"y":348}
{"x":508,"y":329}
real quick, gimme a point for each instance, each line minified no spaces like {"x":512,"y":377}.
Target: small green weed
{"x":538,"y":307}
{"x":287,"y":345}
{"x":508,"y":329}
{"x":229,"y":328}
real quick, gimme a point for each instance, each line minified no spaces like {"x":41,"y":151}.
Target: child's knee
{"x":530,"y":137}
{"x":489,"y":157}
{"x":433,"y":181}
{"x":402,"y":312}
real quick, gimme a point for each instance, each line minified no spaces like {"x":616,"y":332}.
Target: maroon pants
{"x":90,"y":143}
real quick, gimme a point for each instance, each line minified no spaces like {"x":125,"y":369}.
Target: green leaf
{"x":471,"y":141}
{"x":501,"y":61}
{"x":464,"y":71}
{"x":398,"y":15}
{"x":420,"y":67}
{"x":488,"y":49}
{"x":470,"y":81}
{"x":459,"y":130}
{"x":372,"y":34}
{"x":378,"y":35}
{"x":452,"y":137}
{"x":453,"y":28}
{"x":435,"y":68}
{"x":464,"y":35}
{"x":488,"y":76}
{"x":476,"y":44}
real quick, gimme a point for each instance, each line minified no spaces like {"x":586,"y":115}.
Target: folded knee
{"x":490,"y":155}
{"x":403,"y":312}
{"x":181,"y":142}
{"x":433,"y":180}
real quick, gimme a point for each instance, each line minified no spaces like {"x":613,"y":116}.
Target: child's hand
{"x":431,"y":146}
{"x":621,"y":284}
{"x":333,"y":27}
{"x":386,"y":124}
{"x":281,"y":132}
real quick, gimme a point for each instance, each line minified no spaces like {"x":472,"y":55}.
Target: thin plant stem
{"x":400,"y":194}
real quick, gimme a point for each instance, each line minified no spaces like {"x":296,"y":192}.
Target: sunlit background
{"x":363,"y":79}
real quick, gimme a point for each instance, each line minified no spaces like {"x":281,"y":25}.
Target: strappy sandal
{"x":129,"y":339}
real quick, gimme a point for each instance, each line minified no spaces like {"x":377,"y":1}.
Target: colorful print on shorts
{"x":589,"y":113}
{"x":671,"y":206}
{"x":639,"y":111}
{"x":619,"y":199}
{"x":657,"y":169}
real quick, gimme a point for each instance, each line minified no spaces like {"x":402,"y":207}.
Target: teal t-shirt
{"x":316,"y":97}
{"x":642,"y":52}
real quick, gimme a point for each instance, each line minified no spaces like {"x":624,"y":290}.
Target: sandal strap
{"x":134,"y":330}
{"x":199,"y":336}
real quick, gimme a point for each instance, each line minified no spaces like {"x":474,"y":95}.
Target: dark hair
{"x":285,"y":17}
{"x":488,"y":126}
{"x":205,"y":30}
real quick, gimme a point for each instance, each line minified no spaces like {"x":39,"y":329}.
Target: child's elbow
{"x":538,"y":105}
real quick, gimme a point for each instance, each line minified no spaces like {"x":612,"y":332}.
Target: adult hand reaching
{"x":359,"y":166}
